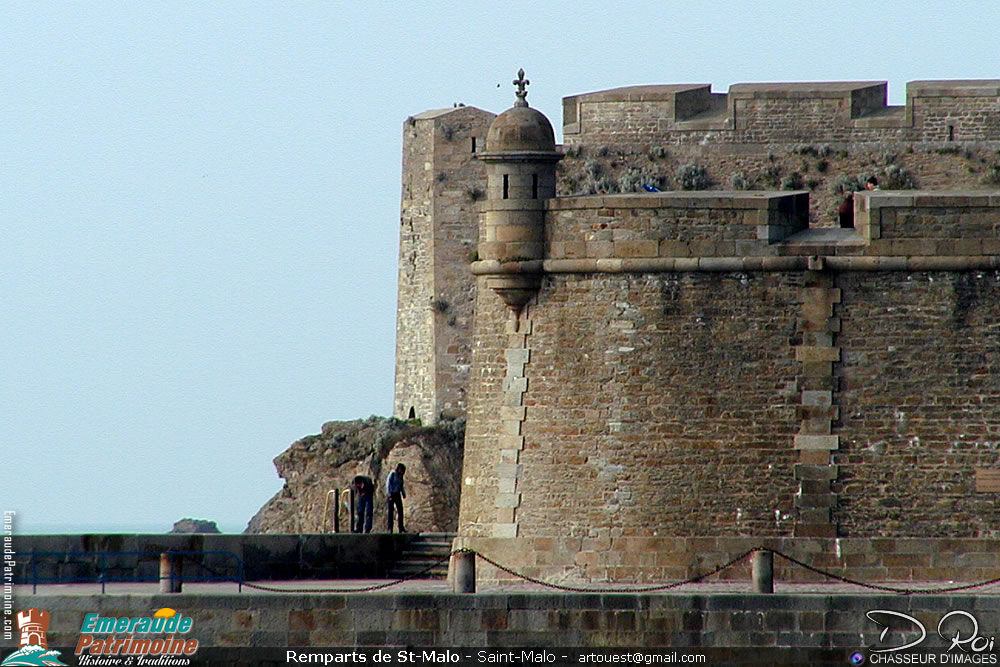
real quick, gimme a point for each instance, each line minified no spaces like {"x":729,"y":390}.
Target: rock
{"x":195,"y":526}
{"x":317,"y":464}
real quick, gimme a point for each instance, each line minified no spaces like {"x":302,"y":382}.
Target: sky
{"x":199,"y":206}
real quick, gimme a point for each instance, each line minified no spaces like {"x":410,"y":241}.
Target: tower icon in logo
{"x":33,"y":646}
{"x":33,"y":624}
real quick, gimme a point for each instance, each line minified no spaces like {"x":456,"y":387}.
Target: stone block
{"x":509,"y":412}
{"x":817,"y":368}
{"x":817,"y":338}
{"x":815,"y":426}
{"x":505,"y":530}
{"x":822,"y":399}
{"x":575,"y":249}
{"x":820,"y":295}
{"x":515,"y":385}
{"x":827,"y":442}
{"x":814,"y":456}
{"x":510,"y":441}
{"x":510,"y":455}
{"x":815,"y":500}
{"x":815,"y":530}
{"x":817,"y":310}
{"x":517,"y":355}
{"x":508,"y":500}
{"x":513,"y":470}
{"x":809,"y":353}
{"x":644,"y":248}
{"x":517,"y":326}
{"x":512,"y":398}
{"x":511,"y":427}
{"x":821,"y":472}
{"x":529,"y":232}
{"x":600,"y":249}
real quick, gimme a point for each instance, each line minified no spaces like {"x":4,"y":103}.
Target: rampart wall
{"x":703,"y":364}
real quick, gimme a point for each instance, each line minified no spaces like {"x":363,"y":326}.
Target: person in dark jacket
{"x":364,"y":489}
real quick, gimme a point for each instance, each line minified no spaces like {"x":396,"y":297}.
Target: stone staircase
{"x":425,"y":550}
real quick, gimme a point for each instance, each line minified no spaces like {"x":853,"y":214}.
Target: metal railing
{"x":343,"y":496}
{"x":105,"y":564}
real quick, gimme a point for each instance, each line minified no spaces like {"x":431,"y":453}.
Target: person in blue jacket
{"x":394,"y":493}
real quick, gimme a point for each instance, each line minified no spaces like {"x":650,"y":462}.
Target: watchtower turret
{"x":520,"y":162}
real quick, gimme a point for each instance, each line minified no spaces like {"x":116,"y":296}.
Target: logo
{"x":857,"y":658}
{"x":32,"y":647}
{"x":161,"y":635}
{"x":959,"y":628}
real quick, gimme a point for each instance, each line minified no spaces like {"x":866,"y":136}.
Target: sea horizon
{"x":109,"y":528}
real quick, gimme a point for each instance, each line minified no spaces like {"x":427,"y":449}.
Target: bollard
{"x":170,"y":573}
{"x":463,"y":572}
{"x":762,"y":571}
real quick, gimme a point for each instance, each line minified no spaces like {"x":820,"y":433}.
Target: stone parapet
{"x":930,"y":221}
{"x":673,"y":224}
{"x":762,"y":113}
{"x":646,"y":560}
{"x":274,"y":556}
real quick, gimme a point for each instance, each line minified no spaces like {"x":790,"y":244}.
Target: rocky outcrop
{"x":318,"y":464}
{"x":195,"y":526}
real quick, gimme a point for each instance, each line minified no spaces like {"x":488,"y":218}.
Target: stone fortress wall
{"x":723,"y":363}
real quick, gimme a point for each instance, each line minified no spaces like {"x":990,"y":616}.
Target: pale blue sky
{"x":200,"y":206}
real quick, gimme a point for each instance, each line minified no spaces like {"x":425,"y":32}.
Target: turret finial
{"x":521,"y":93}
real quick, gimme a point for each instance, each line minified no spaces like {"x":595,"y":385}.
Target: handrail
{"x":103,"y":567}
{"x":339,"y":494}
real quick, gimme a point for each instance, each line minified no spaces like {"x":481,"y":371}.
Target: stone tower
{"x":437,"y":240}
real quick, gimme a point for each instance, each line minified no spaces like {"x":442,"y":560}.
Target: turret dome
{"x":521,"y":129}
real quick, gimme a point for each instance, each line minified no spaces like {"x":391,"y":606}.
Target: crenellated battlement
{"x":760,"y":113}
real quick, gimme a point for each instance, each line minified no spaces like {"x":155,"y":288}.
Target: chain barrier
{"x":626,"y":589}
{"x":363,"y":589}
{"x":582,"y":589}
{"x":878,"y":587}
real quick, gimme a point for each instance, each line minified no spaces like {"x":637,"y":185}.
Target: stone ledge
{"x":743,"y":264}
{"x":701,"y":199}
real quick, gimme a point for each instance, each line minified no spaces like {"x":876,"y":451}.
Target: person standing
{"x":394,"y":493}
{"x":364,"y":487}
